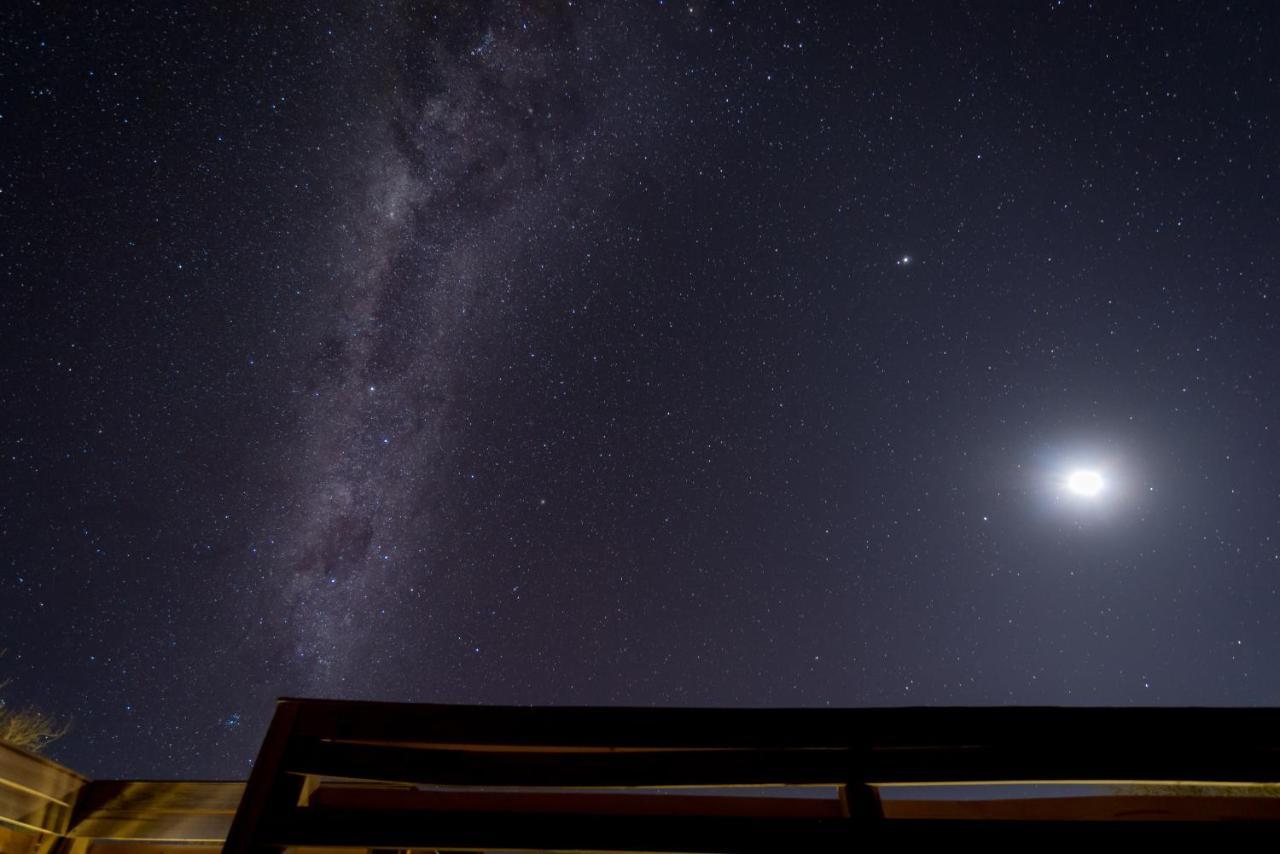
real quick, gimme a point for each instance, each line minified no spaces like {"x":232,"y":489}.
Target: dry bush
{"x":29,"y":729}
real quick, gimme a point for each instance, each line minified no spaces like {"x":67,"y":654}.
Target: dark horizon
{"x":652,"y":353}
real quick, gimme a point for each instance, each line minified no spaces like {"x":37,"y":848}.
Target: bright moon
{"x":1084,"y":482}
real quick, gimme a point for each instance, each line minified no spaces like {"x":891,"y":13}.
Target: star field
{"x":646,"y":353}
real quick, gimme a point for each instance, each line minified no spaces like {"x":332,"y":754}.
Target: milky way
{"x":472,"y":138}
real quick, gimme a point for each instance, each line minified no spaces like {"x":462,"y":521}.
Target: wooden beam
{"x":164,"y":811}
{"x":504,"y":830}
{"x":902,"y":729}
{"x":822,"y":745}
{"x":332,"y":796}
{"x":733,"y":835}
{"x":271,"y":790}
{"x":33,"y":812}
{"x":36,"y":793}
{"x":650,"y":768}
{"x":1128,"y":808}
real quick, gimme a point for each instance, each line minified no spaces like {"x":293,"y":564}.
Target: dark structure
{"x":377,"y":775}
{"x":423,"y":778}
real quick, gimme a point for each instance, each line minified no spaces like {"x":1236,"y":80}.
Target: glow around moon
{"x":1090,"y":481}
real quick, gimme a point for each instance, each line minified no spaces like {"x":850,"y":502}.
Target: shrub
{"x":28,"y":728}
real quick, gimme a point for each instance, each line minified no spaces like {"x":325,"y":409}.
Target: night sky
{"x":633,"y":353}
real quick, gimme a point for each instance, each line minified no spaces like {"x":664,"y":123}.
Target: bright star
{"x":1085,"y":483}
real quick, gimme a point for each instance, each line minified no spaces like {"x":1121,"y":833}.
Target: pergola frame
{"x":555,"y":757}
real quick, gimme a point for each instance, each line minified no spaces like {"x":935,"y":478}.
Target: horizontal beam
{"x":170,"y":811}
{"x":656,"y":768}
{"x":907,"y":728}
{"x":378,"y":800}
{"x":36,"y":793}
{"x":334,"y":828}
{"x":765,"y":767}
{"x":551,"y":746}
{"x":413,"y":829}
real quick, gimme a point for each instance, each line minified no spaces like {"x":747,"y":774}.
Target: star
{"x":547,"y":244}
